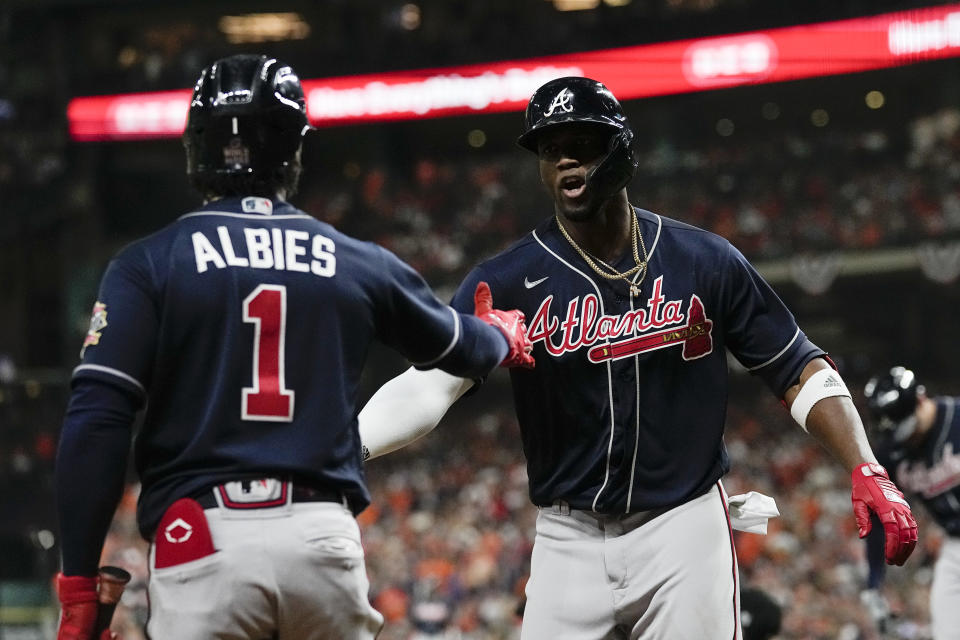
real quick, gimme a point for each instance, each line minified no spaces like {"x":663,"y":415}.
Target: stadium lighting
{"x":410,"y":17}
{"x":264,"y":27}
{"x":875,"y":99}
{"x":820,"y":117}
{"x":575,"y":5}
{"x":477,"y":138}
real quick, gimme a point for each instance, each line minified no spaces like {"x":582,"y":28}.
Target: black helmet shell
{"x":576,"y":99}
{"x":571,"y":99}
{"x":247,"y":115}
{"x":892,"y":397}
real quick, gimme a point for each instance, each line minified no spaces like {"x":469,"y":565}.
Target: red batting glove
{"x":78,"y":603}
{"x":873,"y":491}
{"x":511,"y":325}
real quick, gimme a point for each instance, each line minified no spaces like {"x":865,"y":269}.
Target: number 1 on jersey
{"x":268,"y":398}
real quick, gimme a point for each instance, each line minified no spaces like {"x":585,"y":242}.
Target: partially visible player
{"x":242,"y":328}
{"x":919,"y":442}
{"x":760,"y":614}
{"x":631,"y":315}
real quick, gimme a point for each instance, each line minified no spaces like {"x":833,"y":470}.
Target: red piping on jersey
{"x":733,"y":555}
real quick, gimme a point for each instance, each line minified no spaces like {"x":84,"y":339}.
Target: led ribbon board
{"x":775,"y":55}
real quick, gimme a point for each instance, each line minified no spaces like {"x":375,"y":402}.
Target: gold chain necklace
{"x":613,"y":274}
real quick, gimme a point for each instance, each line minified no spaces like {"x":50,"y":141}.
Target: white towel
{"x":750,"y":511}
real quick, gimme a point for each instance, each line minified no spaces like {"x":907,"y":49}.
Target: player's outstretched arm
{"x":821,"y":404}
{"x":407,"y":408}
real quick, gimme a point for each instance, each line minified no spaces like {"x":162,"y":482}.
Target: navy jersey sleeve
{"x":119,"y":346}
{"x":91,"y":465}
{"x":431,"y":334}
{"x":760,"y":331}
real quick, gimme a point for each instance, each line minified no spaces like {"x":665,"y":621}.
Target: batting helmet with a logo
{"x":574,"y":100}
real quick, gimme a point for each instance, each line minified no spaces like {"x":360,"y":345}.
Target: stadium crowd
{"x":773,"y":197}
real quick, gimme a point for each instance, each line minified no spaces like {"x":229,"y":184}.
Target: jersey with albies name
{"x":244,"y":326}
{"x":625,"y":409}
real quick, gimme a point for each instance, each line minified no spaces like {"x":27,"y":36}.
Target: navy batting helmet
{"x":247,"y":116}
{"x":576,"y":99}
{"x":892,"y":400}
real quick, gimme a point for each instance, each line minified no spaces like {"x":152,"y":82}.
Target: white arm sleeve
{"x":408,"y":407}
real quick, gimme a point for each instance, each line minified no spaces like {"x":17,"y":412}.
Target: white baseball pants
{"x":664,"y":575}
{"x":945,"y":592}
{"x":290,"y":572}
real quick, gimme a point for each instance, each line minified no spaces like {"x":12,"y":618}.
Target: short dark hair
{"x":285,"y":178}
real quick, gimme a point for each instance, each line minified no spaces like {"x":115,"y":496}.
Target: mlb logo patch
{"x":257,"y":205}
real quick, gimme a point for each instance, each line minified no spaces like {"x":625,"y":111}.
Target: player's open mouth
{"x":573,"y":186}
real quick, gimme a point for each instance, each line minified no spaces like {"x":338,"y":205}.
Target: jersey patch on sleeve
{"x":98,"y":320}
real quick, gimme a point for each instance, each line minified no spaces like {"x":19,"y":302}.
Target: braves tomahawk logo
{"x":562,"y":101}
{"x":584,"y":326}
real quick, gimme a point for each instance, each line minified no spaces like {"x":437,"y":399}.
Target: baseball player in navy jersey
{"x":631,"y":315}
{"x":919,"y":442}
{"x":243,"y":328}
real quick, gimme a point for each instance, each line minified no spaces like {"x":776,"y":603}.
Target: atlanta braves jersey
{"x":931,"y":472}
{"x":625,"y":409}
{"x":244,"y":326}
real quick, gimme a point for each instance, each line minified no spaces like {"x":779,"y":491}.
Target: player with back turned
{"x":918,"y":439}
{"x":631,"y":315}
{"x":243,"y":327}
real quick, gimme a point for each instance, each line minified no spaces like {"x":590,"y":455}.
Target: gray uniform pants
{"x":945,"y":592}
{"x":294,"y":571}
{"x":665,"y":575}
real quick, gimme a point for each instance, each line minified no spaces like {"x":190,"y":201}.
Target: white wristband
{"x":823,"y":384}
